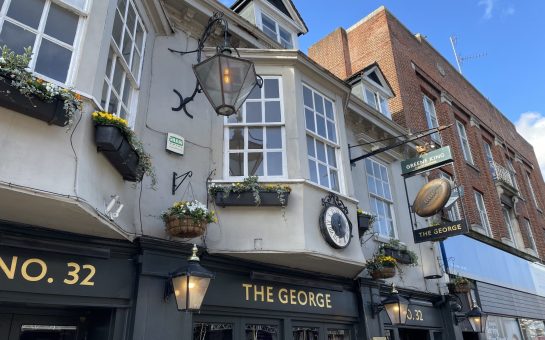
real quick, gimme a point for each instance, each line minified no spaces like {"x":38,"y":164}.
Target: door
{"x":414,"y":334}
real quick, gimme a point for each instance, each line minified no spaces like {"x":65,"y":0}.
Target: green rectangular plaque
{"x":432,"y":159}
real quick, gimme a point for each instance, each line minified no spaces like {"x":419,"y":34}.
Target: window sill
{"x":384,"y":239}
{"x":508,"y":242}
{"x":479,"y":229}
{"x":473,"y":167}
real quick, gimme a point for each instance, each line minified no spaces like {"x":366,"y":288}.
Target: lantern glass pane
{"x":397,"y":311}
{"x":247,"y":85}
{"x":209,"y":76}
{"x":197,"y":290}
{"x":180,"y":291}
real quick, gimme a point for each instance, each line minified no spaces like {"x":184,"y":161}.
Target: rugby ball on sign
{"x":432,"y":197}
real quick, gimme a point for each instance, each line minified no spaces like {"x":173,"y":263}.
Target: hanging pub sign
{"x":430,"y":160}
{"x":440,"y":232}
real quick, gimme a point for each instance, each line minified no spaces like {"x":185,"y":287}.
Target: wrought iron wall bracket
{"x":175,"y":177}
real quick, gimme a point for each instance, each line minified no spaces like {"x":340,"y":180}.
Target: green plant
{"x":145,"y":165}
{"x":250,"y":184}
{"x":380,"y":261}
{"x":459,"y":280}
{"x":193,"y":209}
{"x":369,"y":215}
{"x":14,"y":67}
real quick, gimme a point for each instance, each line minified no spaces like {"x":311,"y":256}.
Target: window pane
{"x":274,"y":164}
{"x":110,"y":64}
{"x":53,"y":61}
{"x":103,"y":98}
{"x":236,"y":164}
{"x":334,"y":180}
{"x":307,"y":97}
{"x":305,"y":333}
{"x":27,"y":12}
{"x":253,"y":112}
{"x":255,"y":138}
{"x":369,"y":166}
{"x":118,"y":29}
{"x":76,"y":3}
{"x":322,"y":170}
{"x":212,"y":331}
{"x":255,"y":94}
{"x":338,"y":334}
{"x":371,"y":186}
{"x":135,"y":67}
{"x":235,"y":118}
{"x":320,"y":150}
{"x":312,"y":171}
{"x":16,"y":38}
{"x":331,"y":159}
{"x":127,"y":47}
{"x":309,"y":119}
{"x":61,"y":24}
{"x":122,"y":5}
{"x":236,"y":139}
{"x":269,"y":32}
{"x":272,"y":112}
{"x":310,"y":146}
{"x":131,"y":18}
{"x":114,"y":101}
{"x":139,"y":36}
{"x":320,"y":126}
{"x":271,"y":88}
{"x":370,"y":98}
{"x":255,"y":164}
{"x":318,"y":101}
{"x":118,"y":75}
{"x":329,"y":109}
{"x":331,"y":134}
{"x":261,"y":332}
{"x":274,"y":138}
{"x":126,"y":91}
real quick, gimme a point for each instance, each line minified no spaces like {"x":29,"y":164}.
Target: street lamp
{"x":396,"y":307}
{"x":189,"y":283}
{"x":226,"y":80}
{"x":477,"y":319}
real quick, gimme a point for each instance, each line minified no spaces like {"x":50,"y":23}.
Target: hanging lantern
{"x":396,"y":307}
{"x":477,"y":319}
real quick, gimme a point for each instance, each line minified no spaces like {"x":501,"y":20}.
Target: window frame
{"x":277,"y":29}
{"x":431,"y":118}
{"x":377,"y":96}
{"x":263,"y":124}
{"x":390,"y":202}
{"x":479,"y":198}
{"x":532,"y":192}
{"x":454,"y":213}
{"x":530,"y":234}
{"x":506,"y":212}
{"x":460,"y":127}
{"x":134,"y":82}
{"x":325,"y":140}
{"x":40,"y":34}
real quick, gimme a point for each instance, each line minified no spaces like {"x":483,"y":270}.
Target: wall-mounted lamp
{"x":189,"y":284}
{"x":226,"y":80}
{"x":476,"y":318}
{"x":395,"y":305}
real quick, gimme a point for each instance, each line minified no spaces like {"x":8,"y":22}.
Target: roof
{"x":354,"y":78}
{"x":283,"y":6}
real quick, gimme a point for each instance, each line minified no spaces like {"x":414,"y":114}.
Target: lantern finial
{"x":194,"y":256}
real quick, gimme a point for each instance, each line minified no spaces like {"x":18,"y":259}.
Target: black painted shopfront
{"x":64,"y":286}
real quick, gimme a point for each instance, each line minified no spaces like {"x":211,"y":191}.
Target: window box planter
{"x":50,"y":112}
{"x":364,"y":224}
{"x":246,"y":198}
{"x":400,"y":255}
{"x":383,"y":273}
{"x":117,"y":149}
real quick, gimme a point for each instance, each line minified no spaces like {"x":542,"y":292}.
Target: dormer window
{"x":371,"y":86}
{"x":376,"y":100}
{"x":276,"y":32}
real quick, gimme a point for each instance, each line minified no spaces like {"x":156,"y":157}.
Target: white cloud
{"x":488,"y":7}
{"x":531,"y":125}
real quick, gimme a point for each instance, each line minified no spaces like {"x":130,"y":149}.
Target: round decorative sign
{"x":432,"y":197}
{"x":335,"y":227}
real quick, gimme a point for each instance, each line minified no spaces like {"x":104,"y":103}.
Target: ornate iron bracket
{"x":175,"y":177}
{"x":333,"y":199}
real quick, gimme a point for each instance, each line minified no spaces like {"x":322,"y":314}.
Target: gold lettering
{"x":320,"y":300}
{"x":270,"y":294}
{"x":301,"y":301}
{"x":328,"y":300}
{"x":311,"y":301}
{"x":409,"y":314}
{"x":10,"y":273}
{"x":247,"y":286}
{"x":292,"y":297}
{"x":283,"y":295}
{"x":33,"y":278}
{"x":261,"y":293}
{"x":73,"y":273}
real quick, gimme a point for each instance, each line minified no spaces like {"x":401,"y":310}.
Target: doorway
{"x":413,"y":334}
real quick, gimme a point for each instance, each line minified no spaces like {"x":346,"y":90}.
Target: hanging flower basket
{"x":186,"y":227}
{"x":459,"y":288}
{"x":383,"y":273}
{"x":187,"y":219}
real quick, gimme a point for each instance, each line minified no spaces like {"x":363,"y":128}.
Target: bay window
{"x":255,"y":136}
{"x":125,"y":57}
{"x":322,"y":144}
{"x":51,"y":30}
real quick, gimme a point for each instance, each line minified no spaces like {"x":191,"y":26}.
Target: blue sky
{"x":510,"y":32}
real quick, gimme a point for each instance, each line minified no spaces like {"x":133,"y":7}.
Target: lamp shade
{"x":396,"y":308}
{"x":190,"y":284}
{"x":226,"y":81}
{"x":477,"y":319}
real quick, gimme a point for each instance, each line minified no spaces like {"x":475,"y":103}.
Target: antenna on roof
{"x":459,"y":59}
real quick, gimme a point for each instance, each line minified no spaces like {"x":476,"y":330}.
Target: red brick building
{"x":504,"y":190}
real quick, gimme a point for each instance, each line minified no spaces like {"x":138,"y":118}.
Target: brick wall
{"x":414,"y":68}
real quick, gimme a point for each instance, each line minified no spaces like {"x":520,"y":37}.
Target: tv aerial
{"x":459,"y":59}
